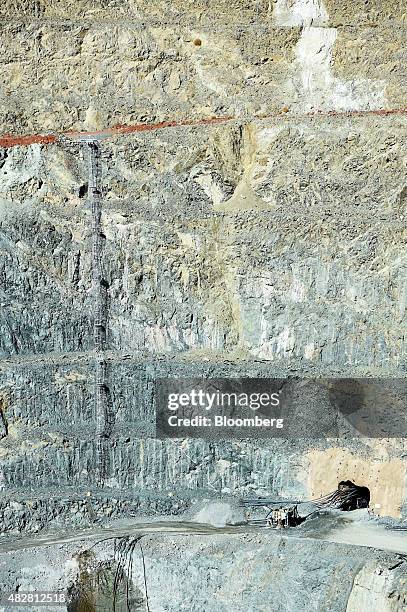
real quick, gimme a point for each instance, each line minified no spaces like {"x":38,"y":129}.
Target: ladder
{"x":99,"y":312}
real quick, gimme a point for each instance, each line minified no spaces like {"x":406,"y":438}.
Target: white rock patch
{"x":317,"y":86}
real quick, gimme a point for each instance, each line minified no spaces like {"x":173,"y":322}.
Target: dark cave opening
{"x":352,"y":496}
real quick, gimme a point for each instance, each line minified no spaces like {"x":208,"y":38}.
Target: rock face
{"x":219,"y":573}
{"x":253,"y":224}
{"x":109,"y":62}
{"x":258,"y":231}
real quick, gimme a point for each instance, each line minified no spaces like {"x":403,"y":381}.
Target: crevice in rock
{"x":3,"y":419}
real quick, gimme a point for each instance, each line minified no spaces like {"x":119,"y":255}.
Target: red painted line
{"x":147,"y":127}
{"x":9,"y":140}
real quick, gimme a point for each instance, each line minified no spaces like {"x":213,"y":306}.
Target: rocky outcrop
{"x":217,"y":573}
{"x":271,"y":242}
{"x":253,"y":216}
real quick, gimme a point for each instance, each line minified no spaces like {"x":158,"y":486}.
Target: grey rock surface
{"x":219,"y":573}
{"x":270,"y":244}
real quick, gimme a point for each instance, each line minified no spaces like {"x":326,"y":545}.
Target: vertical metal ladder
{"x":99,"y":310}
